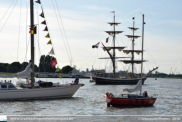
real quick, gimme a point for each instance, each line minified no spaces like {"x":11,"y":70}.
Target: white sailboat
{"x":39,"y":90}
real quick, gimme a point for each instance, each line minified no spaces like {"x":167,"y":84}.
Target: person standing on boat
{"x":76,"y":81}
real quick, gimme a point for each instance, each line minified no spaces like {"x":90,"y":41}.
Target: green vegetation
{"x":44,"y":66}
{"x":163,"y":75}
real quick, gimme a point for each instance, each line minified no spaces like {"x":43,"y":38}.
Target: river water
{"x":88,"y":100}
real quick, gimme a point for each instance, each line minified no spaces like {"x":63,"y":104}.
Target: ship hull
{"x":125,"y":102}
{"x":61,"y":91}
{"x":115,"y":81}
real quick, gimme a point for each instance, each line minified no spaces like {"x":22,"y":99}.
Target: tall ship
{"x":114,"y":78}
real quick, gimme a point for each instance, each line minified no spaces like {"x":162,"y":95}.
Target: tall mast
{"x":132,"y":59}
{"x":142,"y":45}
{"x":114,"y":65}
{"x":32,"y":41}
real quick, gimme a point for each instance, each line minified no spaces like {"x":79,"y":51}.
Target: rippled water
{"x":89,"y":100}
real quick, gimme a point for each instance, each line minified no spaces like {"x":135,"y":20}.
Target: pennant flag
{"x":44,"y":22}
{"x":47,"y":36}
{"x":53,"y":63}
{"x":51,"y":52}
{"x":46,"y":29}
{"x":60,"y":76}
{"x":33,"y":30}
{"x":57,"y":69}
{"x":42,"y":14}
{"x":107,"y":39}
{"x":38,"y":1}
{"x":49,"y":42}
{"x":96,"y":46}
{"x":112,"y":11}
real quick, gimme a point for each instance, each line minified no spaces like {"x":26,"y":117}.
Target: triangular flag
{"x":51,"y":52}
{"x":42,"y":15}
{"x":31,"y":31}
{"x":49,"y":42}
{"x":107,"y":39}
{"x":47,"y":36}
{"x":57,"y":69}
{"x":60,"y":76}
{"x":44,"y":22}
{"x":96,"y":46}
{"x":38,"y":1}
{"x":53,"y":63}
{"x":46,"y":29}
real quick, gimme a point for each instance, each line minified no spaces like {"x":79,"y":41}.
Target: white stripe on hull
{"x":39,"y":93}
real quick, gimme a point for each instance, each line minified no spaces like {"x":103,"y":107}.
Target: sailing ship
{"x":131,"y":99}
{"x":35,"y":90}
{"x":132,"y":79}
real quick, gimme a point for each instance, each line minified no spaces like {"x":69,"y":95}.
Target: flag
{"x":57,"y":69}
{"x":96,"y":46}
{"x":44,"y":22}
{"x":107,"y":39}
{"x":46,"y":29}
{"x":42,"y":14}
{"x":60,"y":76}
{"x":51,"y":52}
{"x":33,"y":30}
{"x":53,"y":63}
{"x":47,"y":36}
{"x":49,"y":42}
{"x":38,"y":1}
{"x":112,"y":11}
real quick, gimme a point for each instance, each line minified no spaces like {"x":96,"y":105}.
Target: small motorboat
{"x":129,"y":99}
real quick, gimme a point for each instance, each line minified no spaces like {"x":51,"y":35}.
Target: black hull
{"x":115,"y":81}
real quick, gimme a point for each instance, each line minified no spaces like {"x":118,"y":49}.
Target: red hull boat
{"x":129,"y":100}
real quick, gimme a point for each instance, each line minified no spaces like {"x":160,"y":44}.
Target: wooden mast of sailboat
{"x":32,"y":41}
{"x":142,"y":45}
{"x":114,"y":65}
{"x":133,"y":41}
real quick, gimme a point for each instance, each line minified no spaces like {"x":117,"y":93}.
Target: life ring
{"x":110,"y":95}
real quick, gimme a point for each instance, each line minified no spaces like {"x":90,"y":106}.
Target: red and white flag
{"x":53,"y":63}
{"x":112,"y":11}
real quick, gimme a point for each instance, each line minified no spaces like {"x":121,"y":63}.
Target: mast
{"x":132,"y":59}
{"x":32,"y":41}
{"x":114,"y":65}
{"x":142,"y":45}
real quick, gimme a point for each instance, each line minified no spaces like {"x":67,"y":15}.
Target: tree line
{"x":44,"y":66}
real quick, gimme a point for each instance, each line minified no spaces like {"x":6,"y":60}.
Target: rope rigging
{"x":64,"y":32}
{"x":61,"y":31}
{"x":9,"y":15}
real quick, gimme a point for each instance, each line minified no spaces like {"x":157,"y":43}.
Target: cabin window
{"x":3,"y":86}
{"x":11,"y":86}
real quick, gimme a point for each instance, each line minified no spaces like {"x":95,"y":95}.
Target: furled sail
{"x":138,"y":87}
{"x":25,"y":74}
{"x":109,"y":48}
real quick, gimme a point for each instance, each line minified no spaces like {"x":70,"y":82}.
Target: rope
{"x":19,"y":28}
{"x":64,"y":31}
{"x":7,"y":11}
{"x":38,"y":40}
{"x":8,"y":17}
{"x":60,"y":30}
{"x":26,"y":30}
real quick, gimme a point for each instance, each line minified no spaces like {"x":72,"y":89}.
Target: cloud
{"x":180,"y":62}
{"x":94,"y":7}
